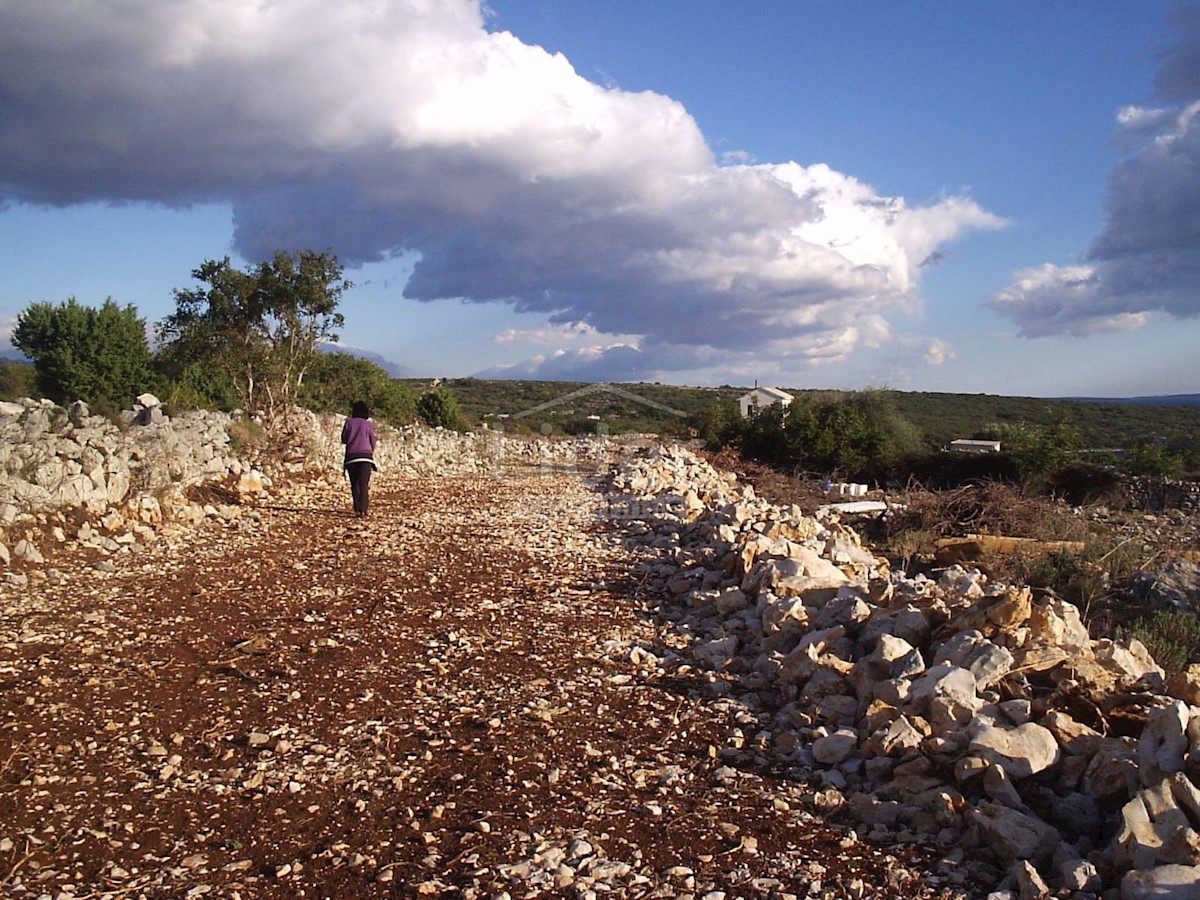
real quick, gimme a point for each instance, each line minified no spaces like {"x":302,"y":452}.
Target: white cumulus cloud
{"x":1146,"y":261}
{"x":381,"y":128}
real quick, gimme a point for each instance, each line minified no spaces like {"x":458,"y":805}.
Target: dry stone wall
{"x":956,"y":711}
{"x":53,"y":458}
{"x":68,"y":475}
{"x":1159,"y":494}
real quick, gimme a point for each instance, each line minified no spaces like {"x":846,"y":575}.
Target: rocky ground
{"x":470,"y":693}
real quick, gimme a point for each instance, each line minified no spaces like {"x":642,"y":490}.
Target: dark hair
{"x":359,"y":410}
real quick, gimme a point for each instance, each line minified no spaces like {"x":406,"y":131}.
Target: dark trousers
{"x":360,"y":483}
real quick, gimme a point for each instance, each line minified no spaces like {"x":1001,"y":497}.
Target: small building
{"x":762,"y":397}
{"x":966,"y":446}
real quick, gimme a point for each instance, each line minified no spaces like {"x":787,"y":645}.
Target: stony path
{"x":466,"y":694}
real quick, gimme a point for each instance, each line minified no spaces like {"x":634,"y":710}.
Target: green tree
{"x":80,"y":353}
{"x":439,"y":409}
{"x":1152,"y":458}
{"x":17,"y":380}
{"x":260,"y":327}
{"x":717,"y":425}
{"x":336,"y":380}
{"x":1038,"y":451}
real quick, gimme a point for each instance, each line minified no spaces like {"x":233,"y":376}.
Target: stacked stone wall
{"x":1161,"y":494}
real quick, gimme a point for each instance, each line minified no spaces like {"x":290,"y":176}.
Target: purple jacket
{"x":359,"y":437}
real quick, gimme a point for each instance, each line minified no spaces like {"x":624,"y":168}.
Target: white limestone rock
{"x":834,"y":748}
{"x":1128,"y":659}
{"x":1164,"y":742}
{"x":1076,"y":738}
{"x":947,"y":694}
{"x":28,"y":551}
{"x":1185,"y":685}
{"x":1022,"y":751}
{"x":1112,"y":772}
{"x":1013,"y":835}
{"x":987,"y":661}
{"x":897,"y":737}
{"x":1172,"y":882}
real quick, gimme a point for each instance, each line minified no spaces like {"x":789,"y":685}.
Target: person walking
{"x":358,"y":434}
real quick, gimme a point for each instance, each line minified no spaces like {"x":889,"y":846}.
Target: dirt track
{"x":437,"y":700}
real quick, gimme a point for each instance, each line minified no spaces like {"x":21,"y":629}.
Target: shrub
{"x":438,"y":408}
{"x":246,"y":436}
{"x":1171,"y":636}
{"x":17,"y":380}
{"x":336,"y":380}
{"x":80,"y":353}
{"x":1152,"y":458}
{"x":1084,"y":483}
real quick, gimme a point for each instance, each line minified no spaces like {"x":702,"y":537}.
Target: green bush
{"x":17,"y":380}
{"x":194,"y":385}
{"x":1083,"y":483}
{"x":1039,"y":452}
{"x":336,"y":380}
{"x":1152,"y":458}
{"x":1171,"y":636}
{"x":718,"y":425}
{"x":438,"y":408}
{"x":855,"y":435}
{"x":79,"y":353}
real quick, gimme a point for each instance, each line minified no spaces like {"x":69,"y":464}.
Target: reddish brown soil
{"x":310,"y":705}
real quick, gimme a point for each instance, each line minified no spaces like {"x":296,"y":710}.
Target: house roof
{"x":773,"y":393}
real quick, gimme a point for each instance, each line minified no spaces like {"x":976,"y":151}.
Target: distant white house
{"x":762,"y":397}
{"x":965,"y":446}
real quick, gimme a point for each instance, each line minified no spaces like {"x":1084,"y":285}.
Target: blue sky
{"x":933,"y":196}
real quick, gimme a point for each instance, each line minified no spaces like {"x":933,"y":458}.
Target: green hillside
{"x":940,"y":417}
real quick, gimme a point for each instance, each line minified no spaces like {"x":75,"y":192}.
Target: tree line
{"x":862,"y":436}
{"x":247,"y":339}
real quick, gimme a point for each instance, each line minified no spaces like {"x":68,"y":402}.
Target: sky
{"x":989,"y":197}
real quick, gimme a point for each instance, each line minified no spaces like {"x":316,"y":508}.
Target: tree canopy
{"x":260,"y":328}
{"x":439,"y":409}
{"x":338,"y":379}
{"x":100,"y":355}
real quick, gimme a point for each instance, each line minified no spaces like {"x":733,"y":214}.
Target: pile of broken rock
{"x":954,"y":712}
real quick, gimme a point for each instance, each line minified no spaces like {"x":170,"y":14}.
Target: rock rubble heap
{"x":957,"y":712}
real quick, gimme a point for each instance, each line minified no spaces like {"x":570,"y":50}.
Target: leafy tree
{"x":80,"y":353}
{"x":259,"y":327}
{"x":17,"y":380}
{"x":718,"y":424}
{"x":1039,"y":451}
{"x":439,"y":409}
{"x":1152,"y":458}
{"x":336,"y":380}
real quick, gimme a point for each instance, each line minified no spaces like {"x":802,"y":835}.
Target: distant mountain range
{"x":1165,"y":400}
{"x":393,"y":369}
